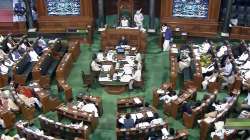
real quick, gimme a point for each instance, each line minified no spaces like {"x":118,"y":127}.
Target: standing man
{"x":138,"y":19}
{"x":167,"y":34}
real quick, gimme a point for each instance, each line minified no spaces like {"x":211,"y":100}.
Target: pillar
{"x":151,"y":16}
{"x":28,"y":14}
{"x":225,"y":28}
{"x":101,"y":13}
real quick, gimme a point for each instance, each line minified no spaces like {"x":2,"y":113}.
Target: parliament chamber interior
{"x":125,"y":69}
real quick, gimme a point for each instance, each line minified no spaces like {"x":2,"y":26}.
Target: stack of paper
{"x":150,"y":114}
{"x":139,"y":115}
{"x":137,"y":100}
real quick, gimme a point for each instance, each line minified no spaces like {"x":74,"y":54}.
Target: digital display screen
{"x":63,"y":7}
{"x":190,"y":8}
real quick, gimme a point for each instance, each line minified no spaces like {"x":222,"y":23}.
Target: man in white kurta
{"x":138,"y":19}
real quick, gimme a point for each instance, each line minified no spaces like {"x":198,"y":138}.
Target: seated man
{"x":122,"y":41}
{"x":2,"y":54}
{"x":157,"y":120}
{"x":188,"y":106}
{"x":136,"y":78}
{"x":23,"y":47}
{"x":239,"y":50}
{"x":33,"y":55}
{"x":209,"y":77}
{"x":3,"y":69}
{"x":88,"y":107}
{"x":205,"y":47}
{"x":228,"y":74}
{"x":128,"y":122}
{"x":95,"y":67}
{"x":41,"y":45}
{"x":8,"y":62}
{"x":124,"y":22}
{"x":221,"y":51}
{"x":15,"y":55}
{"x":184,"y":59}
{"x":242,"y":58}
{"x":169,"y":97}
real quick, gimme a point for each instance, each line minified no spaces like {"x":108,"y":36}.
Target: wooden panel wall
{"x":57,"y":24}
{"x":195,"y":27}
{"x":110,"y":6}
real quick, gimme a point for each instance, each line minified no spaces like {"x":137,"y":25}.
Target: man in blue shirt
{"x":167,"y":38}
{"x":128,"y":122}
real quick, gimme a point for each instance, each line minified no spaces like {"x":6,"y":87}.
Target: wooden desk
{"x":4,"y":80}
{"x":136,"y":38}
{"x":156,"y":96}
{"x":8,"y":117}
{"x":206,"y":126}
{"x":76,"y":115}
{"x":197,"y":75}
{"x":95,"y":100}
{"x":48,"y":103}
{"x":25,"y":131}
{"x":174,"y":66}
{"x":62,"y":73}
{"x":190,"y":120}
{"x":139,"y":133}
{"x":27,"y":112}
{"x":240,"y":32}
{"x":114,"y":85}
{"x":129,"y":103}
{"x":55,"y":128}
{"x":189,"y":94}
{"x":74,"y":49}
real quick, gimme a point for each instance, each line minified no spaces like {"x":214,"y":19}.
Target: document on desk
{"x":104,"y":79}
{"x":128,"y":69}
{"x":126,"y":78}
{"x":106,"y":67}
{"x":139,"y":115}
{"x":150,"y":114}
{"x":160,"y":91}
{"x":137,"y":100}
{"x":164,"y":132}
{"x":37,"y":89}
{"x":174,"y":50}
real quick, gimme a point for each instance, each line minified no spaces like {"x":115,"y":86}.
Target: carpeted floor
{"x":157,"y":72}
